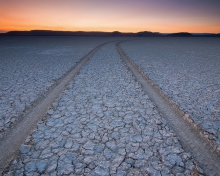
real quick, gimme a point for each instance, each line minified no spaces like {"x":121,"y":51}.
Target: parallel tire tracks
{"x":13,"y":138}
{"x":201,"y":149}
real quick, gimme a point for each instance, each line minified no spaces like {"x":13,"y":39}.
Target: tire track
{"x":201,"y":149}
{"x":12,"y":140}
{"x":103,"y":124}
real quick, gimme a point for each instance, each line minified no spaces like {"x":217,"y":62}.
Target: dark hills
{"x":180,"y":34}
{"x":103,"y":34}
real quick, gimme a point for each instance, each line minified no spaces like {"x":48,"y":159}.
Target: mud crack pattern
{"x":103,"y":124}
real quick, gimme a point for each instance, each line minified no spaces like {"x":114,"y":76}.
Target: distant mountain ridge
{"x":103,"y":34}
{"x":180,"y":34}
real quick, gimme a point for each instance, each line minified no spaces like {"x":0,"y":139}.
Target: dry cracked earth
{"x":103,"y":124}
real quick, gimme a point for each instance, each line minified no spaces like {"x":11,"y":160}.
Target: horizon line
{"x":5,"y":32}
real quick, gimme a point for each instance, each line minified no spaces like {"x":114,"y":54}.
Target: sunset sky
{"x":196,"y":16}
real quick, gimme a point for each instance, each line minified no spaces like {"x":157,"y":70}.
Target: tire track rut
{"x":13,"y":138}
{"x":201,"y":149}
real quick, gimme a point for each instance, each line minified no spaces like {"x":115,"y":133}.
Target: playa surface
{"x":104,"y":123}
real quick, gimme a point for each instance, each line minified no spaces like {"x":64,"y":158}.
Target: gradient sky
{"x":197,"y":16}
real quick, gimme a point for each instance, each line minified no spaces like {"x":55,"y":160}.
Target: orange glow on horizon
{"x":169,"y":29}
{"x":108,"y":16}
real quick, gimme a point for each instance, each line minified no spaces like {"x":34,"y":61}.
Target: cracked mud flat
{"x":187,"y":70}
{"x":103,"y":124}
{"x":30,"y":66}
